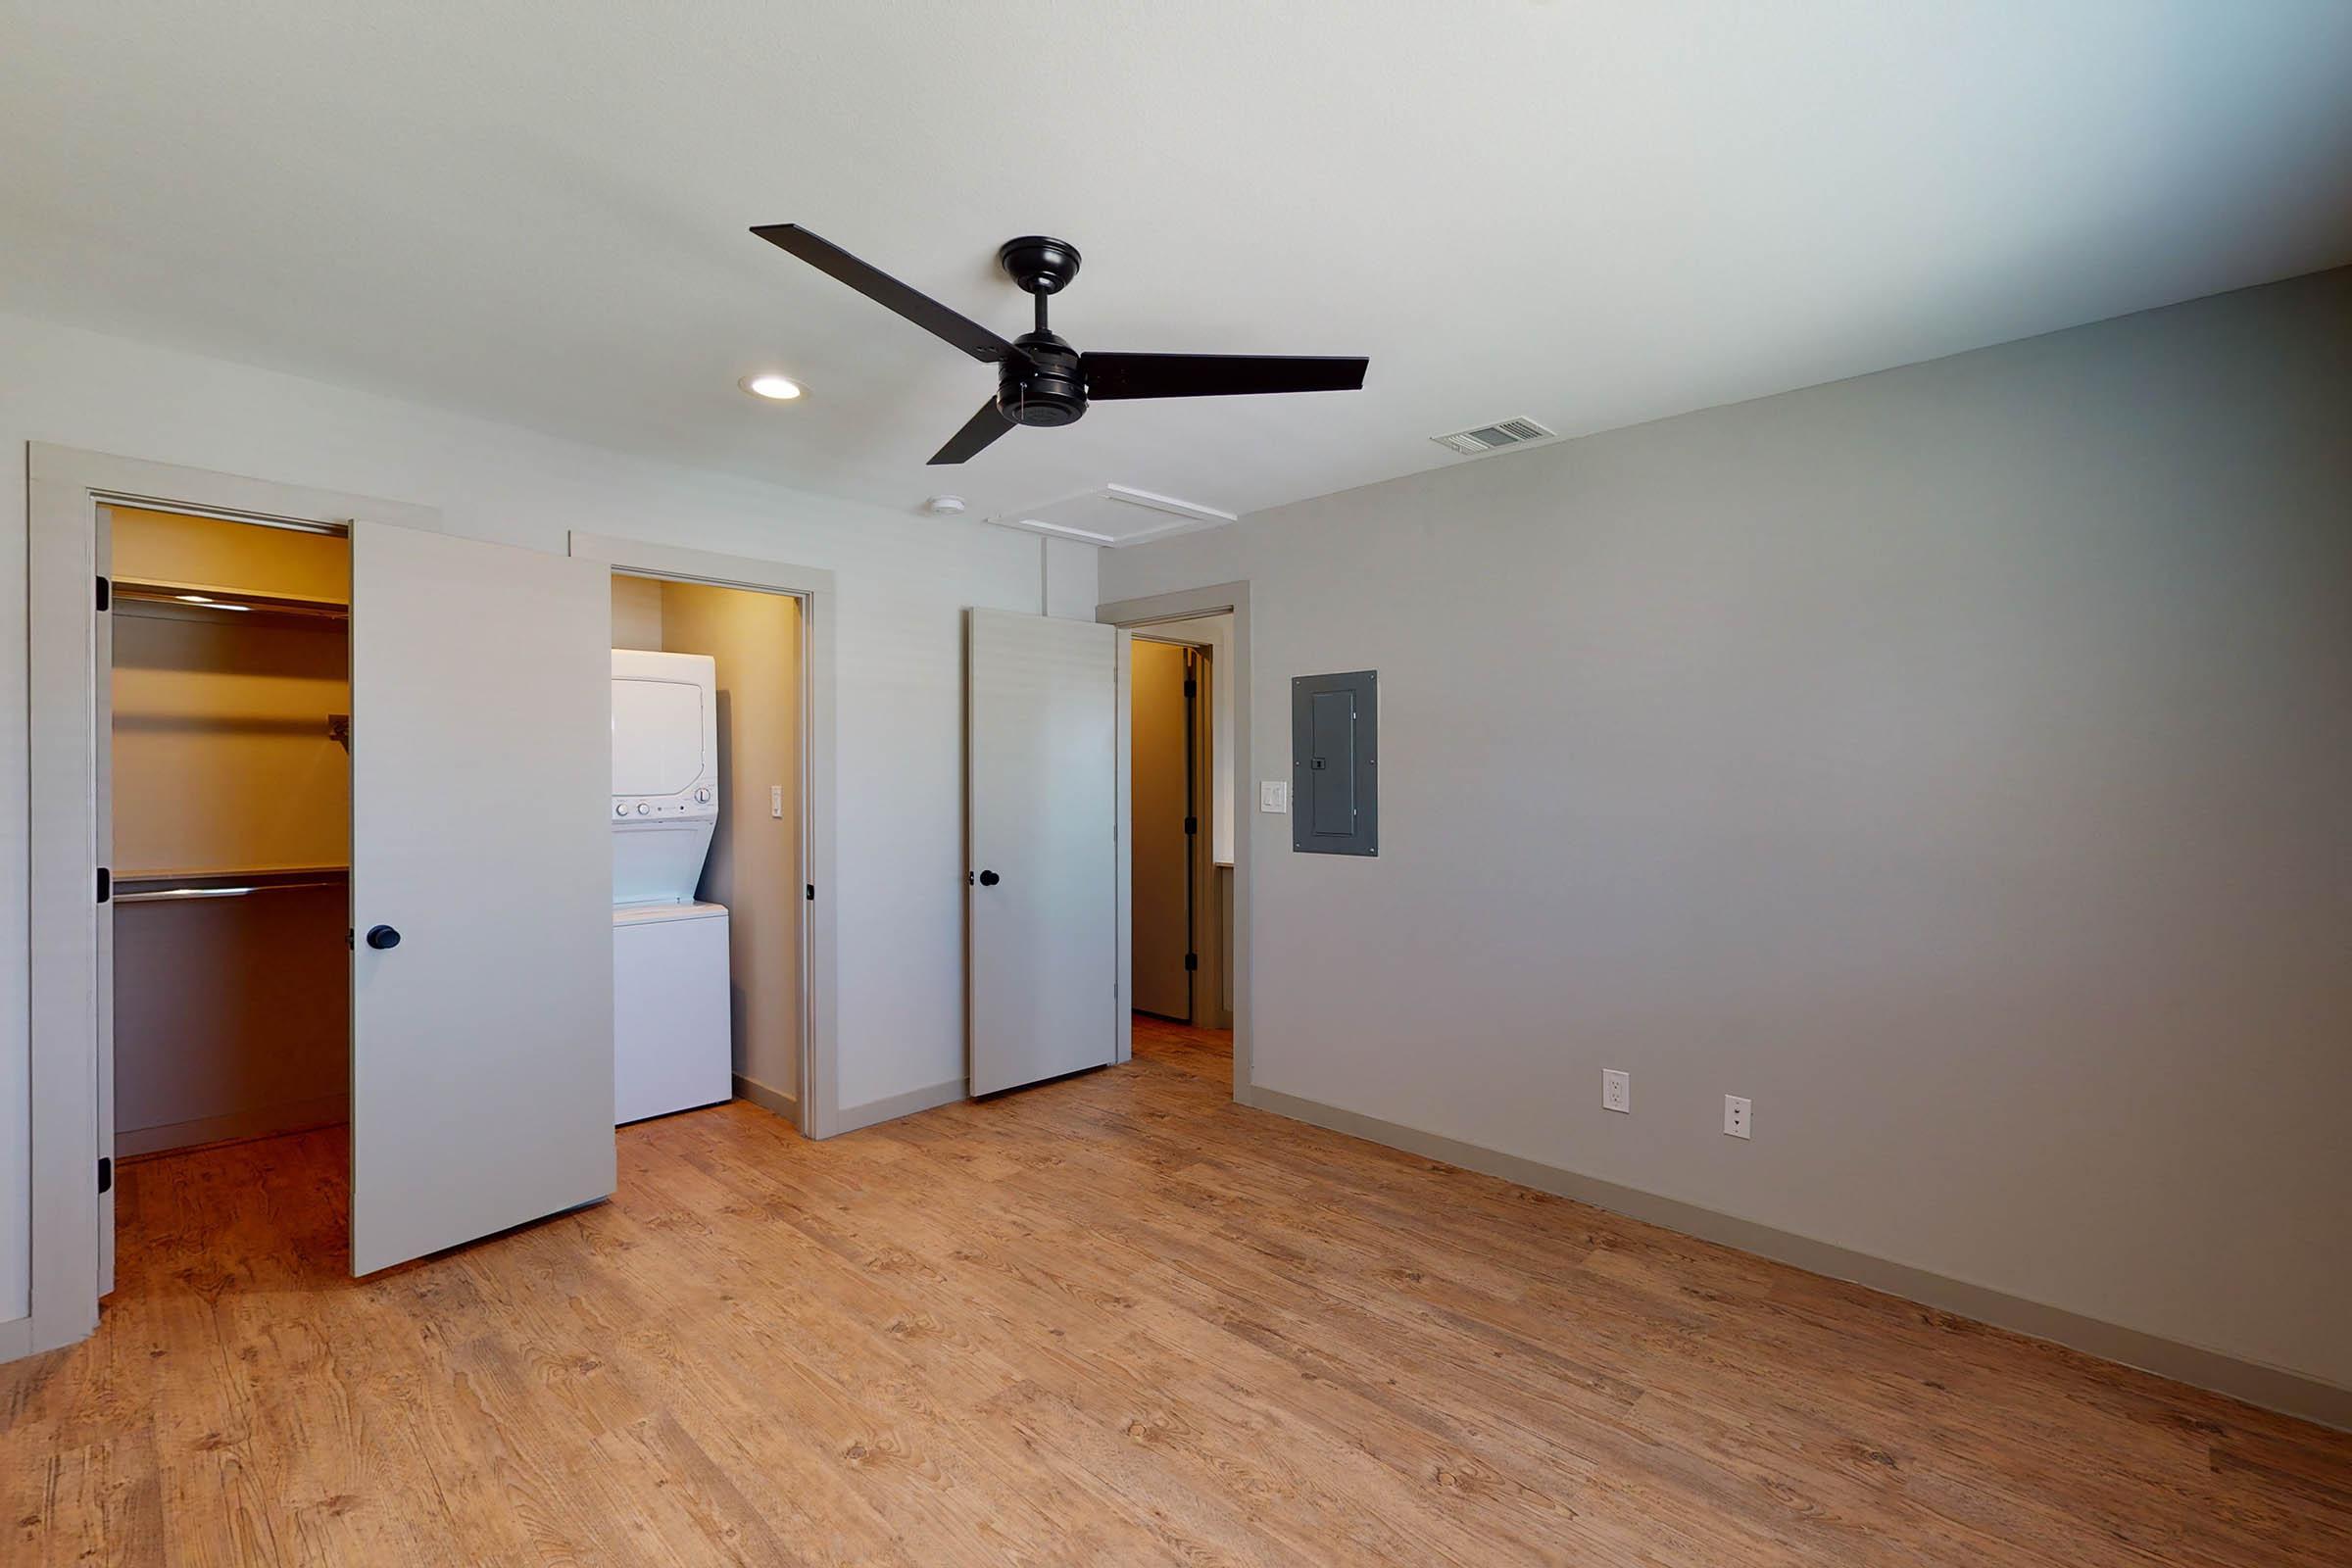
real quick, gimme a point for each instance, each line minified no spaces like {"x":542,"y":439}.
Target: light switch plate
{"x":1274,"y":794}
{"x":776,"y":800}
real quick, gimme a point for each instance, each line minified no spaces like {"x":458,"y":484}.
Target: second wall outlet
{"x":1616,"y":1090}
{"x":1735,"y":1116}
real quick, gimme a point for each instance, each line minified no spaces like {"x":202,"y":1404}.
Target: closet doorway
{"x":768,"y":627}
{"x":192,"y":897}
{"x":227,"y":790}
{"x":250,"y":982}
{"x":232,"y":818}
{"x":708,"y":942}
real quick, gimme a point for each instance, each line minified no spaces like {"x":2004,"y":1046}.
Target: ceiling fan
{"x":1041,"y":380}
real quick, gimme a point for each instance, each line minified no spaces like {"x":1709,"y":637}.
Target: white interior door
{"x":1041,"y":739}
{"x":481,"y":984}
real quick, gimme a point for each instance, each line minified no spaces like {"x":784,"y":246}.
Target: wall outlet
{"x":1274,"y":794}
{"x":776,"y":800}
{"x":1735,"y":1116}
{"x":1616,"y":1090}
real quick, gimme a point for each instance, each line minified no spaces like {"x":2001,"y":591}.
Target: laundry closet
{"x":231,"y":806}
{"x":707,"y":845}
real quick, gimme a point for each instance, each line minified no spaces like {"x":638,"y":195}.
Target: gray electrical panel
{"x":1335,"y":741}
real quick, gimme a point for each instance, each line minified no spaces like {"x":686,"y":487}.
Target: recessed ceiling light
{"x":776,"y":388}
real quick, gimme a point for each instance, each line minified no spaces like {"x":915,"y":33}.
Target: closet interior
{"x":231,"y":806}
{"x":707,"y":956}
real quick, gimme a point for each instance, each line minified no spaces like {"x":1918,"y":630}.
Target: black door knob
{"x":989,"y":879}
{"x":381,"y":937}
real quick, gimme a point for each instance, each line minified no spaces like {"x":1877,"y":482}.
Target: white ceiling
{"x":1592,"y":214}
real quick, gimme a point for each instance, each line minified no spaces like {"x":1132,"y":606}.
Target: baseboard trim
{"x":891,"y":1107}
{"x":265,"y":1121}
{"x":2272,"y":1388}
{"x":776,"y":1102}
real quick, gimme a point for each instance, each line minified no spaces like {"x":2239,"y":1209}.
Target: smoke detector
{"x":944,"y":506}
{"x":1486,"y":438}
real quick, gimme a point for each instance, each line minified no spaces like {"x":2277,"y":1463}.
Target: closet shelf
{"x":214,"y":596}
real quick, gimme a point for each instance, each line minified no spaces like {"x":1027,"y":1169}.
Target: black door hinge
{"x":1191,"y":961}
{"x":1191,"y":688}
{"x":106,"y":884}
{"x":106,"y":1174}
{"x":106,"y":594}
{"x":1191,"y":825}
{"x":811,"y":893}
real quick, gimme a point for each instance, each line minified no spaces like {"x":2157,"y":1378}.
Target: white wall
{"x":1958,"y":761}
{"x":902,"y":580}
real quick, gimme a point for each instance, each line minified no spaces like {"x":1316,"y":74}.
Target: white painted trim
{"x":776,"y":1102}
{"x":2255,"y":1382}
{"x":1057,"y":530}
{"x":818,"y":1096}
{"x":891,"y":1107}
{"x":1191,"y":517}
{"x":1210,"y":600}
{"x":63,"y":491}
{"x":1174,"y":505}
{"x":1123,"y":788}
{"x":262,"y":1121}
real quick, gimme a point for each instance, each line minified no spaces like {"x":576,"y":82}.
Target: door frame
{"x":816,"y":1109}
{"x":64,"y":489}
{"x":1187,"y":604}
{"x":1205,"y":985}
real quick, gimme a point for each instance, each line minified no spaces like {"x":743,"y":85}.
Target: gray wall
{"x":1958,"y":761}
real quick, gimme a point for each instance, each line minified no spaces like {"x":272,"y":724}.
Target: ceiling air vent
{"x":1487,"y":437}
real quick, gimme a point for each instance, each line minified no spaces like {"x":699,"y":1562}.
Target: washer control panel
{"x":700,"y":801}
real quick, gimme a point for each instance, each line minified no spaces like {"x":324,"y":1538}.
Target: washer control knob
{"x":620,"y":807}
{"x":704,"y":794}
{"x":643,"y":807}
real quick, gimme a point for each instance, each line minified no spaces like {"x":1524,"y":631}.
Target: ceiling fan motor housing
{"x":1048,"y":389}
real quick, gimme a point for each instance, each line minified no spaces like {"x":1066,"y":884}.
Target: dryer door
{"x":481,"y":994}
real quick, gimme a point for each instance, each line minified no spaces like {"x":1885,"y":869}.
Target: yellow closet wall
{"x":755,"y":864}
{"x":221,"y":755}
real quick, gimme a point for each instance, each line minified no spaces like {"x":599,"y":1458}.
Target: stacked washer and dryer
{"x":672,"y":1043}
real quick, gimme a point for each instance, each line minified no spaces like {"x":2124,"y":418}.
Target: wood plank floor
{"x":1113,"y":1320}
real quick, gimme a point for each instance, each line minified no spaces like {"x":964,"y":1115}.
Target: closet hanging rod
{"x":156,"y":887}
{"x":164,"y":895}
{"x":219,"y":597}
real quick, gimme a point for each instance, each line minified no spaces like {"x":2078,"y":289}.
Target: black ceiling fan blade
{"x":1215,"y":375}
{"x":977,"y":432}
{"x":885,"y":290}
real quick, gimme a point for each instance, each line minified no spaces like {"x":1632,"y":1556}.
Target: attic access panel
{"x":1335,"y":788}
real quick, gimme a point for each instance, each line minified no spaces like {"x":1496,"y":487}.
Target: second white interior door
{"x":1042,"y":738}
